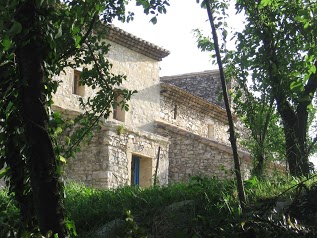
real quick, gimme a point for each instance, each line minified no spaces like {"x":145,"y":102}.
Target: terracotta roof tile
{"x":205,"y":85}
{"x":135,"y":43}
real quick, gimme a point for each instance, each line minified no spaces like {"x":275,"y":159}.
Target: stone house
{"x":125,"y":150}
{"x":173,"y":129}
{"x":194,"y":120}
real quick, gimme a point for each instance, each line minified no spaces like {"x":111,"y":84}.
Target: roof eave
{"x":135,"y":43}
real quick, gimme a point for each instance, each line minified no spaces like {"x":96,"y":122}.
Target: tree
{"x":264,"y":139}
{"x":277,"y":49}
{"x":38,"y":39}
{"x":218,"y":8}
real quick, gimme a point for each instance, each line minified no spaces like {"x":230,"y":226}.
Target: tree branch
{"x":69,"y":52}
{"x":310,"y":147}
{"x":310,"y":88}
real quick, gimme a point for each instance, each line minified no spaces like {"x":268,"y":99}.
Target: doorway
{"x":141,"y":171}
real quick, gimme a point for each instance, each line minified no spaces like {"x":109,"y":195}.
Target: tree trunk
{"x":12,"y":148}
{"x":295,"y":122}
{"x":295,"y":126}
{"x":233,"y":140}
{"x":42,"y":161}
{"x":259,"y":166}
{"x":295,"y":150}
{"x":18,"y":176}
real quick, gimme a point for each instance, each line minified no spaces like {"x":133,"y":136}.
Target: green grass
{"x":216,"y":204}
{"x":102,"y":206}
{"x":211,"y":207}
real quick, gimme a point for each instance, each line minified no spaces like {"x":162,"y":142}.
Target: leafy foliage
{"x":275,"y":69}
{"x":276,"y":53}
{"x":202,"y":207}
{"x":213,"y":9}
{"x":39,"y":39}
{"x":264,"y":139}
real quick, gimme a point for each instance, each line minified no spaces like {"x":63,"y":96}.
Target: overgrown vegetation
{"x":39,"y":40}
{"x":200,"y":208}
{"x":274,"y":67}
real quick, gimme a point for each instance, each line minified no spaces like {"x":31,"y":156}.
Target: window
{"x":78,"y":89}
{"x":135,"y":170}
{"x":141,"y":171}
{"x":118,"y":110}
{"x":175,"y":112}
{"x":211,"y":131}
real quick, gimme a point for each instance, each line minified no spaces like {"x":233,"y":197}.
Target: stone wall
{"x":188,"y":117}
{"x":64,"y":97}
{"x":191,"y":155}
{"x":142,"y":75}
{"x":106,"y":161}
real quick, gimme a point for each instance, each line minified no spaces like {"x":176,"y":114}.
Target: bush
{"x":202,"y":207}
{"x":9,"y":215}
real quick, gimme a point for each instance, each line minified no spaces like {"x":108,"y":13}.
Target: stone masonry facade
{"x":176,"y":114}
{"x":105,"y":161}
{"x":192,"y":113}
{"x":193,"y":155}
{"x":142,"y":75}
{"x":198,"y":133}
{"x":175,"y":128}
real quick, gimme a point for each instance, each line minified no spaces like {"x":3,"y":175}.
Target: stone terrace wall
{"x":192,"y":155}
{"x":105,"y":162}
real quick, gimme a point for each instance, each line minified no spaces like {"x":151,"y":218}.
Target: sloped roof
{"x":205,"y":85}
{"x":121,"y":37}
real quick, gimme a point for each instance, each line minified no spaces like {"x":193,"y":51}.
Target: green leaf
{"x":58,"y":118}
{"x":297,"y":86}
{"x":70,"y":225}
{"x":77,"y":41}
{"x":310,"y":107}
{"x":6,"y":43}
{"x":312,"y":69}
{"x":16,"y":28}
{"x":9,"y":109}
{"x":58,"y":130}
{"x":62,"y":159}
{"x":154,"y":20}
{"x":67,"y":140}
{"x":75,"y":29}
{"x":265,"y":3}
{"x":3,"y":172}
{"x":59,"y":32}
{"x":306,"y":25}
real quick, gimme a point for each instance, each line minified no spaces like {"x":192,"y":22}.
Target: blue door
{"x":135,"y":170}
